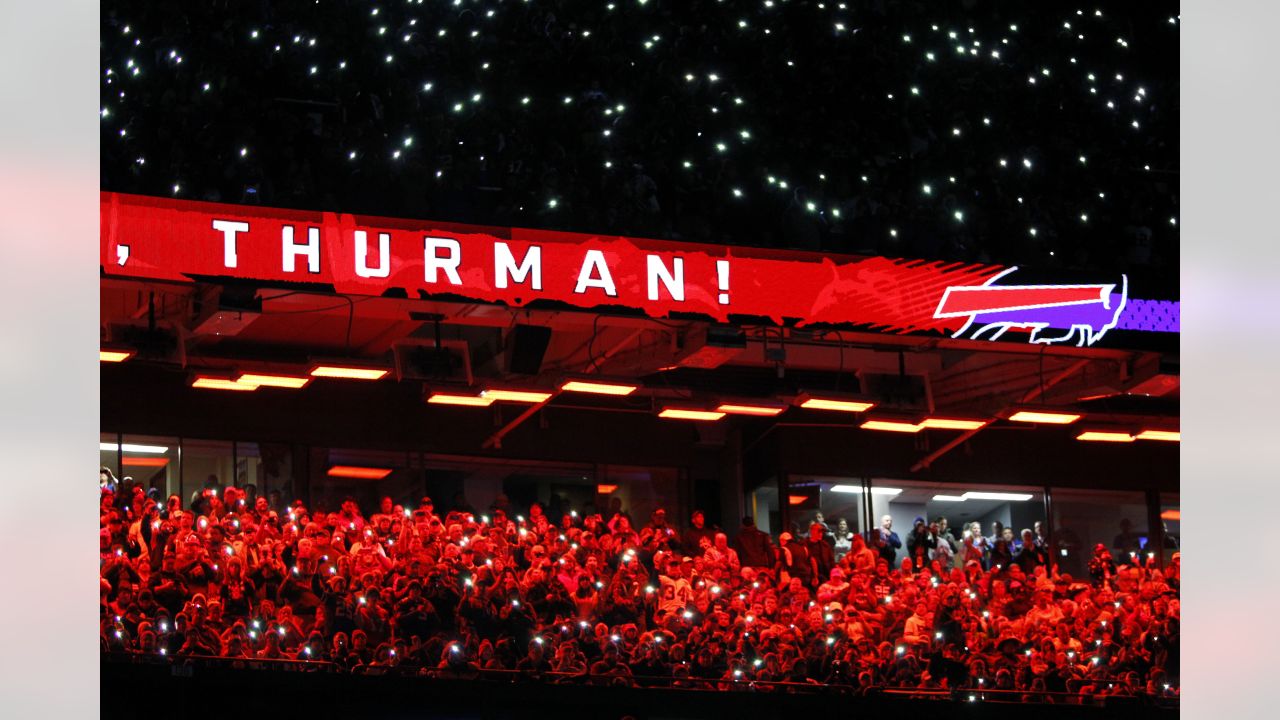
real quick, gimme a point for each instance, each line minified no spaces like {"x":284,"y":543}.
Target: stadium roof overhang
{"x":170,"y":298}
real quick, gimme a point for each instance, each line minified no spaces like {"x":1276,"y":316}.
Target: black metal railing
{"x":184,"y":664}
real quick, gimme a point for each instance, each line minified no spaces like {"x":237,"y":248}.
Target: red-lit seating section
{"x":636,"y":601}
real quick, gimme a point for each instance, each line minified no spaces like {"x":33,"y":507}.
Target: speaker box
{"x":528,"y":345}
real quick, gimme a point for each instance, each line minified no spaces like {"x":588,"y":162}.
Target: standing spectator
{"x":658,"y":525}
{"x":945,"y":534}
{"x":1102,"y":567}
{"x":1031,"y":555}
{"x":1042,"y":537}
{"x":921,"y":543}
{"x":819,"y":519}
{"x":754,"y":547}
{"x":1001,"y":555}
{"x":975,"y":546}
{"x":698,"y":529}
{"x":1128,"y":542}
{"x":864,"y":558}
{"x":795,"y":560}
{"x":843,"y":539}
{"x":889,"y":541}
{"x":721,"y":554}
{"x":997,"y":532}
{"x":820,"y":550}
{"x":943,"y":551}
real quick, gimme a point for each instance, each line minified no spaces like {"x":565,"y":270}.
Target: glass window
{"x":975,"y":522}
{"x":830,"y":500}
{"x":367,"y":476}
{"x":206,"y":465}
{"x":248,"y":467}
{"x":1171,"y":519}
{"x":641,"y":491}
{"x":151,"y":462}
{"x":1083,"y":519}
{"x":109,"y":456}
{"x":764,"y":506}
{"x":478,"y":485}
{"x":267,"y":469}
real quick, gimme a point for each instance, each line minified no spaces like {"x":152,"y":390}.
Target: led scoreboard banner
{"x":177,"y":240}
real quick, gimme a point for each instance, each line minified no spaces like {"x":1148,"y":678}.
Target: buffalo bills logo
{"x":1053,"y":314}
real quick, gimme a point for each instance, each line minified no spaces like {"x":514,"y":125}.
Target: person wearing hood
{"x":921,"y":543}
{"x":754,"y":547}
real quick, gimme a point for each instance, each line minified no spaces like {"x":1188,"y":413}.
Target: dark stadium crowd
{"x":514,"y":594}
{"x":1042,"y":137}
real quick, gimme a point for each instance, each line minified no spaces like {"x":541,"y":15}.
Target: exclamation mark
{"x":722,"y":277}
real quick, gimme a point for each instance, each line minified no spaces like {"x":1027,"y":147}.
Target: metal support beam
{"x":1066,"y":373}
{"x":595,"y":364}
{"x":495,"y":440}
{"x":1034,"y":393}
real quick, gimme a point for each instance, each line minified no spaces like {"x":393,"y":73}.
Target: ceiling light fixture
{"x":1013,"y":497}
{"x":145,"y":461}
{"x":133,"y":448}
{"x":346,"y":371}
{"x":359,"y":473}
{"x":942,"y":423}
{"x":520,"y":396}
{"x":114,"y":355}
{"x":839,"y":403}
{"x":1048,"y":418}
{"x":892,"y":426}
{"x":597,"y":387}
{"x":291,"y":382}
{"x":446,"y":398}
{"x":1105,"y":436}
{"x":750,"y":408}
{"x":677,"y":413}
{"x":210,"y":382}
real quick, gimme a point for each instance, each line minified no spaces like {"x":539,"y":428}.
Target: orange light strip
{"x":1171,"y":515}
{"x":114,"y":356}
{"x":598,"y":388}
{"x":760,"y":410}
{"x":1166,"y":435}
{"x":1050,"y":418}
{"x":452,"y":399}
{"x":953,"y":424}
{"x":797,"y":499}
{"x":347,"y":372}
{"x":1101,"y":436}
{"x":218,"y":383}
{"x":605,"y":489}
{"x":690,"y":414}
{"x":814,"y":403}
{"x":891,"y":426}
{"x":145,"y":461}
{"x":281,"y":381}
{"x":520,"y":396}
{"x":359,"y":473}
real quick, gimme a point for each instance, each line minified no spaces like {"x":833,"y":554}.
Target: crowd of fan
{"x":1001,"y":134}
{"x":585,"y":599}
